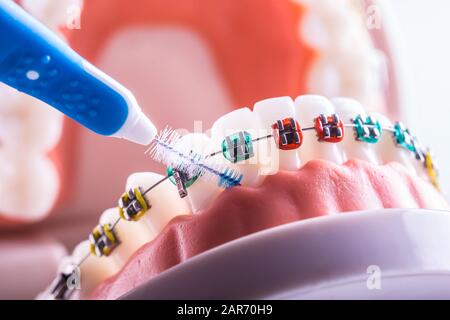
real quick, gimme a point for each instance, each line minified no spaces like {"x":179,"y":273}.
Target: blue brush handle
{"x":35,"y":61}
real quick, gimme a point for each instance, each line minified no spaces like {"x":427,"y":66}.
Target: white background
{"x":424,"y":30}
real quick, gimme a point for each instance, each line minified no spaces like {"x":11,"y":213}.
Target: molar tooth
{"x":29,"y":185}
{"x":23,"y":118}
{"x":234,"y":127}
{"x":344,"y":67}
{"x":54,"y":13}
{"x":42,"y":128}
{"x":164,"y":200}
{"x":9,"y":98}
{"x":201,"y":192}
{"x":307,"y":108}
{"x":269,"y":112}
{"x":348,"y":110}
{"x":93,"y":270}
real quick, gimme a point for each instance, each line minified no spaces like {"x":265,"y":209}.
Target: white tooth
{"x":66,"y":266}
{"x":240,"y":120}
{"x":9,"y":98}
{"x":36,"y":125}
{"x":348,"y":109}
{"x":93,"y":270}
{"x":29,"y":185}
{"x":325,"y":77}
{"x":387,"y":149}
{"x":55,"y":13}
{"x":307,"y":108}
{"x":269,"y":112}
{"x":203,"y":191}
{"x":164,"y":200}
{"x":344,"y":67}
{"x":42,"y":125}
{"x":362,"y":76}
{"x":315,"y":32}
{"x":419,"y":165}
{"x":132,"y":235}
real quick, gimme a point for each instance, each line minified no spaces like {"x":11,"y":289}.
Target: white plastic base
{"x":381,"y":254}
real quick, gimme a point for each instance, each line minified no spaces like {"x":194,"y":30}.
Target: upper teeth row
{"x":288,"y":135}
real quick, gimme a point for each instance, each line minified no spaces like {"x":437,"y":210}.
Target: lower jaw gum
{"x":355,"y":185}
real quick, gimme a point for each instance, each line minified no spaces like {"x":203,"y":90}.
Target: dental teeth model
{"x":144,"y":205}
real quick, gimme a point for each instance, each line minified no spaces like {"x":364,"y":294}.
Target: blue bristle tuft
{"x":163,"y":150}
{"x":228,"y":178}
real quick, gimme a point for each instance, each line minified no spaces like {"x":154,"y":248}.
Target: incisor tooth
{"x":307,"y":108}
{"x":269,"y":112}
{"x":348,"y":109}
{"x":239,"y":125}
